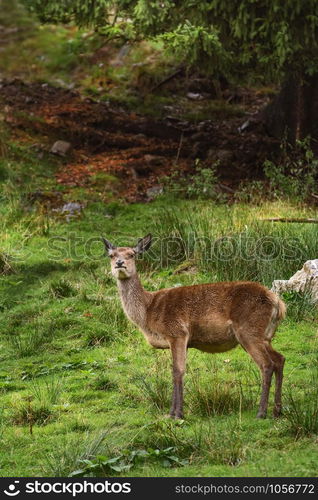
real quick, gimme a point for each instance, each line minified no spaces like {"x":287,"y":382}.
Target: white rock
{"x":195,"y":96}
{"x":305,"y":279}
{"x":154,"y":191}
{"x":61,"y":148}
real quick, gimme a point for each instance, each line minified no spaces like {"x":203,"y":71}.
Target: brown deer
{"x":213,"y":317}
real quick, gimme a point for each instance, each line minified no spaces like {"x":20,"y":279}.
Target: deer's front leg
{"x":178,"y":346}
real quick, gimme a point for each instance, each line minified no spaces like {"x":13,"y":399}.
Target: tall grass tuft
{"x":30,"y":342}
{"x":50,"y":390}
{"x":229,"y":247}
{"x":61,"y":288}
{"x":156,"y":387}
{"x":66,"y":455}
{"x":112,"y":324}
{"x":6,"y":266}
{"x":25,"y":412}
{"x":39,"y":406}
{"x":300,"y":305}
{"x":302,"y":410}
{"x":103,"y":383}
{"x":197,"y":443}
{"x":211,"y":395}
{"x":156,"y":391}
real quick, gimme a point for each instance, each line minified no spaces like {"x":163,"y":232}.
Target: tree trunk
{"x":293,"y":113}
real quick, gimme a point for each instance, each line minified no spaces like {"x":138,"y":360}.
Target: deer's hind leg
{"x":260,"y":355}
{"x":279,"y":361}
{"x":257,"y":348}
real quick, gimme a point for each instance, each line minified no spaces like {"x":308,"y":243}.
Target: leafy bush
{"x":293,"y":178}
{"x":296,"y":176}
{"x":200,"y":185}
{"x":251,"y":191}
{"x":126,"y":460}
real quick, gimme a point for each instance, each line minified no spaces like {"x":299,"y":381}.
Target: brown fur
{"x":213,"y":317}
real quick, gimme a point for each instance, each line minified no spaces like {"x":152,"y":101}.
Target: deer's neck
{"x":134,"y":299}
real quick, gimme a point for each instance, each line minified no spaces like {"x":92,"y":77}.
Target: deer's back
{"x":210,"y":313}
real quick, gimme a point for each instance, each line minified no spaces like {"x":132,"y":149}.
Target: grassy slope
{"x":71,"y":360}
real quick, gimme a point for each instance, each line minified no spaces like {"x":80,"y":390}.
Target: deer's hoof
{"x":178,"y":416}
{"x":175,"y":416}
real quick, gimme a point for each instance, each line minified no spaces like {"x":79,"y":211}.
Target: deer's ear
{"x":143,"y":244}
{"x":108,"y":245}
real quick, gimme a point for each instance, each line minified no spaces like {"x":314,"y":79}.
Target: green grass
{"x":78,"y":375}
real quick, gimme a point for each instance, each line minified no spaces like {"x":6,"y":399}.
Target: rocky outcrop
{"x":304,"y":280}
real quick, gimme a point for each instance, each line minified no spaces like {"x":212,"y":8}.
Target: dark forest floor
{"x":137,"y":151}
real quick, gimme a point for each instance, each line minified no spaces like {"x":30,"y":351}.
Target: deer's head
{"x":123,"y":264}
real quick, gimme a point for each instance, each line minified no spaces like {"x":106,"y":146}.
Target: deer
{"x":211,"y":317}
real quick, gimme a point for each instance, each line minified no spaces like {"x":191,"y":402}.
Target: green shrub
{"x":200,"y":185}
{"x":113,"y":465}
{"x":296,"y":176}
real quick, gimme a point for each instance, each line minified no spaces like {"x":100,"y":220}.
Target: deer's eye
{"x":131,"y":255}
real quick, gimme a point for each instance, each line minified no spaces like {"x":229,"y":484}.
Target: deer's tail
{"x":281,"y":309}
{"x":279,"y":305}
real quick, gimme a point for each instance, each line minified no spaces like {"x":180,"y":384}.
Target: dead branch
{"x":167,"y":79}
{"x":291,"y":219}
